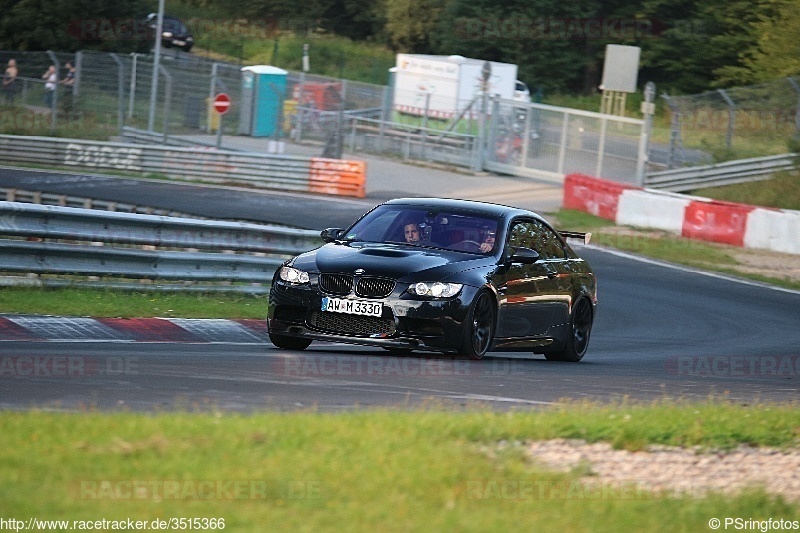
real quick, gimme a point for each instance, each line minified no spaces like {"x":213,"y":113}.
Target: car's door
{"x":554,"y":257}
{"x":532,"y":293}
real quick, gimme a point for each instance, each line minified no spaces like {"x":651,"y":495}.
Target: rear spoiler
{"x":585,"y":237}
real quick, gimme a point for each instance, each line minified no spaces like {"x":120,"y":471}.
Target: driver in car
{"x":411,"y":231}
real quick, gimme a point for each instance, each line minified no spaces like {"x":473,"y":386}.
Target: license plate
{"x":353,"y":307}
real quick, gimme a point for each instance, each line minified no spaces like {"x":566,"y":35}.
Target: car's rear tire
{"x":479,"y":326}
{"x":285,"y":342}
{"x":580,"y":328}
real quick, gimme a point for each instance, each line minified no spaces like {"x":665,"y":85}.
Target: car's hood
{"x":396,"y":261}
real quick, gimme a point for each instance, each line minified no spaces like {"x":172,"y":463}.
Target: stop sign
{"x":222,"y":102}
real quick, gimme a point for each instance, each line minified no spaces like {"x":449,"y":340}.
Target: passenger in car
{"x":488,"y":242}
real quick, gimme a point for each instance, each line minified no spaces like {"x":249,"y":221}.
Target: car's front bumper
{"x":407,"y":322}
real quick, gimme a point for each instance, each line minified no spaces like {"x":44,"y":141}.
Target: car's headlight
{"x":436,"y":289}
{"x":293,"y":275}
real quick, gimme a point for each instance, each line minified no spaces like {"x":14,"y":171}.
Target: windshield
{"x":465,"y":231}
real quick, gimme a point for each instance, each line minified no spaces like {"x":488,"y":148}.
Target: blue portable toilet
{"x":263,"y":93}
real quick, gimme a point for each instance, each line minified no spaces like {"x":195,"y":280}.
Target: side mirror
{"x":525,"y":256}
{"x":330,"y":234}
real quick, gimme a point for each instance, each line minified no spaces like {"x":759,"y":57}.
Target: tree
{"x":411,"y":24}
{"x":69,"y":25}
{"x":354,"y":19}
{"x":699,"y":41}
{"x":546,"y":39}
{"x":773,"y":51}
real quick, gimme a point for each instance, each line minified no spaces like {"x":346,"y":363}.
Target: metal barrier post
{"x":731,"y":117}
{"x":54,"y":101}
{"x":562,"y":149}
{"x":796,"y":87}
{"x":167,"y":100}
{"x":601,"y":147}
{"x":648,"y":109}
{"x":120,"y":93}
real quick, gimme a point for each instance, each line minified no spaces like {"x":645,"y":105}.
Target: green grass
{"x":77,"y":124}
{"x":665,"y":247}
{"x":423,"y":470}
{"x":329,"y":55}
{"x":782,"y":191}
{"x":127,"y":304}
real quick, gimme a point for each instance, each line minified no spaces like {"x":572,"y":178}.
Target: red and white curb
{"x":690,"y":216}
{"x":76,"y":329}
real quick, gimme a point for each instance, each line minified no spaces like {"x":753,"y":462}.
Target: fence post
{"x":562,"y":149}
{"x":480,"y":156}
{"x":167,"y":100}
{"x":796,"y":87}
{"x":120,"y":93}
{"x":212,"y":91}
{"x":526,"y":134}
{"x":648,"y":110}
{"x":54,"y":101}
{"x":601,"y":147}
{"x":675,"y":129}
{"x":132,"y":89}
{"x":76,"y":87}
{"x":731,"y":116}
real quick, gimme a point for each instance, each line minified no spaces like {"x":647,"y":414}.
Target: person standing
{"x":51,"y":81}
{"x":10,"y":81}
{"x":68,"y":82}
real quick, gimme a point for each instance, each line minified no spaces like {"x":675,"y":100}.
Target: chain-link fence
{"x":735,"y":123}
{"x":115,"y":90}
{"x":29,"y":102}
{"x":538,"y":139}
{"x":518,"y":138}
{"x":112,"y":91}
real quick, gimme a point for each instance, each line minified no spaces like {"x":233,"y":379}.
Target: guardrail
{"x":282,"y":172}
{"x":727,"y":173}
{"x":410,"y":142}
{"x":155,"y":137}
{"x":66,"y":200}
{"x":45,"y":239}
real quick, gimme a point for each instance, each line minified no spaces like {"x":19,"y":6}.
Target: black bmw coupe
{"x":441,"y":275}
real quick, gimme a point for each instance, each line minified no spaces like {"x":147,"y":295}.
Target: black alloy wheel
{"x":479,"y":327}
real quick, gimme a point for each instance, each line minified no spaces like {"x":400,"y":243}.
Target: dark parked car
{"x":480,"y":277}
{"x":174,"y":32}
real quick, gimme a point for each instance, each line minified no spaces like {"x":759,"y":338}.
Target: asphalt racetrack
{"x":661,"y":332}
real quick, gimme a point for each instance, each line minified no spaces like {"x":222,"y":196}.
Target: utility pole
{"x":156,"y":63}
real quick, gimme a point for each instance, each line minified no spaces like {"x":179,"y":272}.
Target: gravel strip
{"x":672,"y":470}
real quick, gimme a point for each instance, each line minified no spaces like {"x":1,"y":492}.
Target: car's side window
{"x":536,"y":236}
{"x":550,"y":246}
{"x":521,"y":235}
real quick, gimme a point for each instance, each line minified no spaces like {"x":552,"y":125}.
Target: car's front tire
{"x":289,"y":343}
{"x":580,"y":328}
{"x":479,"y":326}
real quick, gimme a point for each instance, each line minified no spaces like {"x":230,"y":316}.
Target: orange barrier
{"x":338,"y":176}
